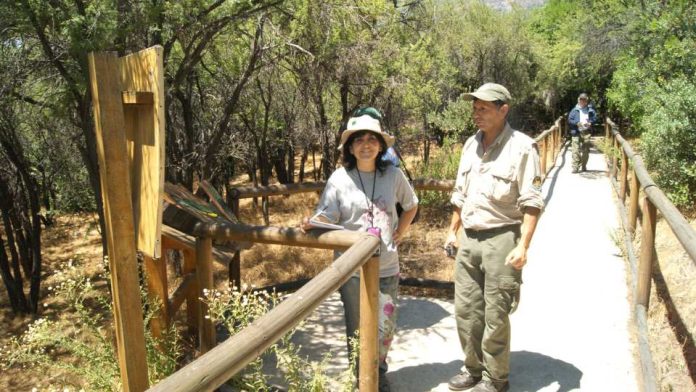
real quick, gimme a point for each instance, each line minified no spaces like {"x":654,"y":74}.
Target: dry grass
{"x":72,"y":237}
{"x":672,"y":313}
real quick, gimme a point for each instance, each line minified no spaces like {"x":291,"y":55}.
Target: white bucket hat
{"x":365,"y":123}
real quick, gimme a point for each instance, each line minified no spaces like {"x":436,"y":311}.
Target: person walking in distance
{"x":580,"y":120}
{"x":497,"y":200}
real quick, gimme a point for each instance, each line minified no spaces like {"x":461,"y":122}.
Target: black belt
{"x":485,"y":233}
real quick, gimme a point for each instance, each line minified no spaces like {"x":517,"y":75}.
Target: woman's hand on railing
{"x":304,"y":225}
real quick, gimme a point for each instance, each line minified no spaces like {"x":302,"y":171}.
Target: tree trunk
{"x":279,"y":163}
{"x":291,"y":163}
{"x":303,"y":161}
{"x":18,"y":301}
{"x":426,"y":142}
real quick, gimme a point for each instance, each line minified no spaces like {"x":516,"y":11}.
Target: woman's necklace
{"x":370,"y":202}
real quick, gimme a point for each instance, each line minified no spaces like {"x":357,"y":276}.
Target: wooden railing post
{"x":115,"y":179}
{"x":633,"y":202}
{"x":614,"y":157}
{"x":264,"y":210}
{"x":157,"y":289}
{"x":624,"y":175}
{"x":369,"y":318}
{"x":235,"y":269}
{"x":647,"y":248}
{"x":607,"y":127}
{"x":193,"y":307}
{"x":204,"y":272}
{"x":542,"y":156}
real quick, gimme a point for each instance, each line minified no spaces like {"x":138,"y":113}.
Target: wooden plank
{"x":217,"y":201}
{"x":204,"y":272}
{"x":421,"y":184}
{"x":137,"y":97}
{"x":158,"y":291}
{"x":193,"y":304}
{"x":542,"y":161}
{"x":633,"y":202}
{"x":624,"y":175}
{"x":114,"y":176}
{"x":369,"y":319}
{"x":142,"y":75}
{"x":647,"y":248}
{"x":647,"y":380}
{"x":175,"y":239}
{"x":182,"y":292}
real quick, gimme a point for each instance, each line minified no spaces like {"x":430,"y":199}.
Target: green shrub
{"x":668,"y":142}
{"x":79,"y":346}
{"x":236,"y":309}
{"x":443,"y":165}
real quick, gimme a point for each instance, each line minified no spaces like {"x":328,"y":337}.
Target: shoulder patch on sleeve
{"x":536,"y":182}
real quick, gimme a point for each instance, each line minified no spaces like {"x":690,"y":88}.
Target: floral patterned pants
{"x":350,"y":295}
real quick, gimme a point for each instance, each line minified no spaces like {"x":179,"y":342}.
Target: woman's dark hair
{"x":349,"y":160}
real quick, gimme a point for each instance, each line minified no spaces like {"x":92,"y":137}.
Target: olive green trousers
{"x":486,"y":291}
{"x":580,"y":146}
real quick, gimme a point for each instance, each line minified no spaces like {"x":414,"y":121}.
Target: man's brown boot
{"x":462,"y":381}
{"x":491,"y":386}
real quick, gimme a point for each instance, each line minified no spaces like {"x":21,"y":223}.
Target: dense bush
{"x":668,"y":142}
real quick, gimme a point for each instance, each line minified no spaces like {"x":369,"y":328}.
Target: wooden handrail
{"x":653,"y":201}
{"x":222,"y":362}
{"x":323,"y":239}
{"x":421,"y":184}
{"x":680,"y":226}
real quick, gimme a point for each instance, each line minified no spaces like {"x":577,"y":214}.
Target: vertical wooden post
{"x":114,"y":175}
{"x":647,"y":248}
{"x":542,"y":156}
{"x":264,"y":210}
{"x":624,"y":176}
{"x":550,"y":148}
{"x":235,"y":207}
{"x":614,"y":157}
{"x":606,"y":130}
{"x":633,"y":203}
{"x":235,"y":269}
{"x":156,"y":272}
{"x":193,"y":304}
{"x":204,"y":272}
{"x":369,"y":318}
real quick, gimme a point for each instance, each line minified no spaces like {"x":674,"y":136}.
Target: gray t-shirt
{"x":346,"y":203}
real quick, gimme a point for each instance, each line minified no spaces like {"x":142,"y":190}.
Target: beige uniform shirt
{"x":493,"y":187}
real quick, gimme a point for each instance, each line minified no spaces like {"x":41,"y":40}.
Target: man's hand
{"x":451,"y":239}
{"x":517,"y":257}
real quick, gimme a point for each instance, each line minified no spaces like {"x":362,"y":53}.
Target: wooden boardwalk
{"x":572,"y":330}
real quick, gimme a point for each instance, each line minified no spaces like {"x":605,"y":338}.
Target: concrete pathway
{"x":572,"y":330}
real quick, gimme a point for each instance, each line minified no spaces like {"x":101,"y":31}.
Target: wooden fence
{"x":630,"y":177}
{"x":220,"y":363}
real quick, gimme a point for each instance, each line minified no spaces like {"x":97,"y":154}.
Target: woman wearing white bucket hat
{"x":362,"y":195}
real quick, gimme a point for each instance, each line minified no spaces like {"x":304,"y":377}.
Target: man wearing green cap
{"x":497,"y":200}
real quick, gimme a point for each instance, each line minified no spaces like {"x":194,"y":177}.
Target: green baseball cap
{"x":489,"y":92}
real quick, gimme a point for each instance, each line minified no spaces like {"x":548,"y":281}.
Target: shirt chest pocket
{"x":503,"y":184}
{"x":465,"y":178}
